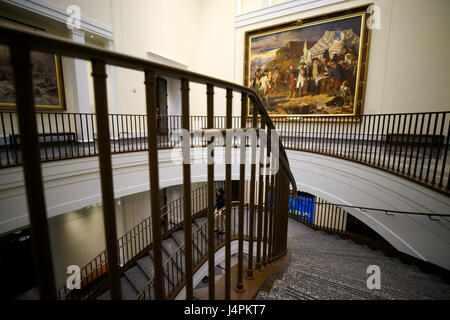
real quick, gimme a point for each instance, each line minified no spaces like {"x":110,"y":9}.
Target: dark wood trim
{"x":106,"y":176}
{"x":211,"y":193}
{"x":21,"y":62}
{"x":151,"y":102}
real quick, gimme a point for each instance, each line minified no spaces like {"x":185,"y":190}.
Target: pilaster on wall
{"x":80,"y":89}
{"x":111,"y":81}
{"x":79,"y":77}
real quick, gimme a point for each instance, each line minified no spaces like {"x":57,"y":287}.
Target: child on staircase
{"x":219,"y":216}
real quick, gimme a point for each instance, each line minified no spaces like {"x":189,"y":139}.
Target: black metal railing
{"x":412,"y":145}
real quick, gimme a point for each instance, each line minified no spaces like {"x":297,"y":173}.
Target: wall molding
{"x":53,"y":12}
{"x":280,"y":10}
{"x":153,"y":57}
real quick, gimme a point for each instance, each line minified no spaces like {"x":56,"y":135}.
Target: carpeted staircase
{"x":326,"y":267}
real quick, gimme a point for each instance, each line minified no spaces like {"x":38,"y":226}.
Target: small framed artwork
{"x":314,"y":67}
{"x":48,"y":84}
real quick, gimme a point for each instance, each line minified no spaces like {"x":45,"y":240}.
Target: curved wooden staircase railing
{"x":276,"y":179}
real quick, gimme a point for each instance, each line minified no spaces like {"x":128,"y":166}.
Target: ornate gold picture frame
{"x":314,"y":67}
{"x":48,"y":83}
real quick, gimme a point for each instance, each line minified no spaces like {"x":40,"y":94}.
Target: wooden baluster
{"x":187,"y":190}
{"x":271,"y":213}
{"x":240,"y":285}
{"x":150,"y":89}
{"x":228,"y":184}
{"x":266,"y":200}
{"x":211,"y":194}
{"x":260,"y":205}
{"x":106,"y":175}
{"x":31,"y":159}
{"x":252,"y":198}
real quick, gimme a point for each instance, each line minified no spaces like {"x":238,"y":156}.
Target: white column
{"x":111,"y":81}
{"x":112,"y":99}
{"x":238,"y":7}
{"x":80,"y":90}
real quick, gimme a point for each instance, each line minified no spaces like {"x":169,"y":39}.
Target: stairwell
{"x":326,"y":267}
{"x":135,"y":279}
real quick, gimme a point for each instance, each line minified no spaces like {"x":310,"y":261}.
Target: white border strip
{"x":153,"y":57}
{"x":279,"y":10}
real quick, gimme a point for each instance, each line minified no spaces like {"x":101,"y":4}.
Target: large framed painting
{"x":313,"y":67}
{"x":48,"y":85}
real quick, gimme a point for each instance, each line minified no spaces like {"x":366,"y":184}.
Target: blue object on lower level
{"x":302,"y":207}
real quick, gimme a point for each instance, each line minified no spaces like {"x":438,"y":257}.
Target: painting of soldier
{"x":312,"y":69}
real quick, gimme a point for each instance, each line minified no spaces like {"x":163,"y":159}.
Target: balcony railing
{"x":413,"y":145}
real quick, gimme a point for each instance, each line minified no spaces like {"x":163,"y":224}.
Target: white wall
{"x":166,"y":28}
{"x":197,"y":33}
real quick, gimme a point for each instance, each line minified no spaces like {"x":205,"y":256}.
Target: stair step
{"x":146,"y":265}
{"x":325,"y":266}
{"x":169,"y":247}
{"x":200,"y":221}
{"x":137,"y":278}
{"x":178,"y":236}
{"x":393,"y":274}
{"x":264,"y":296}
{"x":357,"y":288}
{"x":168,"y":282}
{"x":128,"y":291}
{"x":104,"y":296}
